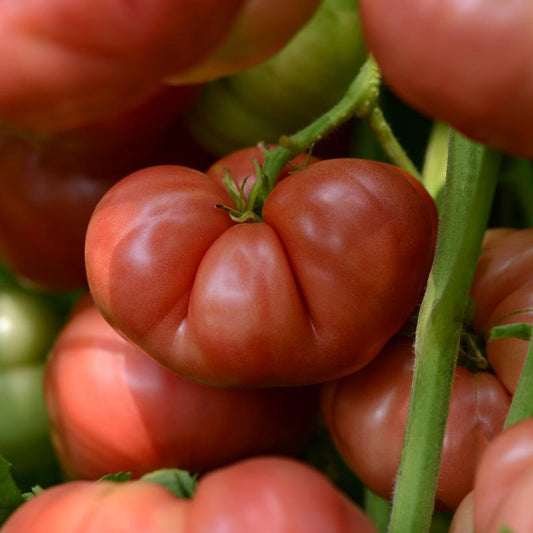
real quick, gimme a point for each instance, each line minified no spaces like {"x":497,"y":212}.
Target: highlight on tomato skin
{"x":113,"y":408}
{"x":337,"y":265}
{"x":366,"y":415}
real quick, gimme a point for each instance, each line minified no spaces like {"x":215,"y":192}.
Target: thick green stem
{"x":470,"y":184}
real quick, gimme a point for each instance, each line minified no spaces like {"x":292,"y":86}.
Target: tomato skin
{"x":272,"y":495}
{"x":504,"y":482}
{"x":268,"y":494}
{"x":366,"y":414}
{"x":313,"y":284}
{"x":503,"y":293}
{"x":113,"y":408}
{"x":100,"y":56}
{"x":50,"y":186}
{"x":103,"y":57}
{"x":88,"y":507}
{"x":440,"y":58}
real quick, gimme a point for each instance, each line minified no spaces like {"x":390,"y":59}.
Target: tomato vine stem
{"x":467,"y":199}
{"x":361,"y":100}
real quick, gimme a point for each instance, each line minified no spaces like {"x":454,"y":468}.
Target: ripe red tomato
{"x":89,"y":507}
{"x":113,"y":408}
{"x":50,"y":186}
{"x":366,"y":415}
{"x":465,"y":63}
{"x":263,"y":495}
{"x":504,"y":482}
{"x":503,"y":294}
{"x":273,"y":495}
{"x":311,"y":293}
{"x":71,"y":63}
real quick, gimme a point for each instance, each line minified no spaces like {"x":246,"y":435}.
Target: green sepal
{"x":179,"y":482}
{"x":36,"y":490}
{"x":520,"y":330}
{"x":118,"y":477}
{"x":10,"y":495}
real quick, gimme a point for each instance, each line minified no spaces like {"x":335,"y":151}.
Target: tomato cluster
{"x":221,"y":271}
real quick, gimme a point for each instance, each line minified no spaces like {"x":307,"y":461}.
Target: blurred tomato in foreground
{"x":263,"y":495}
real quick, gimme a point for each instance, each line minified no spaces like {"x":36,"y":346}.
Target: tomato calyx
{"x":519,"y":330}
{"x":472,"y":352}
{"x":247,"y":208}
{"x":248,"y":204}
{"x":180,"y":482}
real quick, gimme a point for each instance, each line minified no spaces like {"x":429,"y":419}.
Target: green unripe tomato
{"x":29,"y":323}
{"x":28,"y":326}
{"x":283,"y":94}
{"x":24,"y":426}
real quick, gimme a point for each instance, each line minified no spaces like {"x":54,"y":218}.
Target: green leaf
{"x":519,"y":330}
{"x":118,"y":477}
{"x":32,"y":493}
{"x":10,"y":495}
{"x":179,"y":482}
